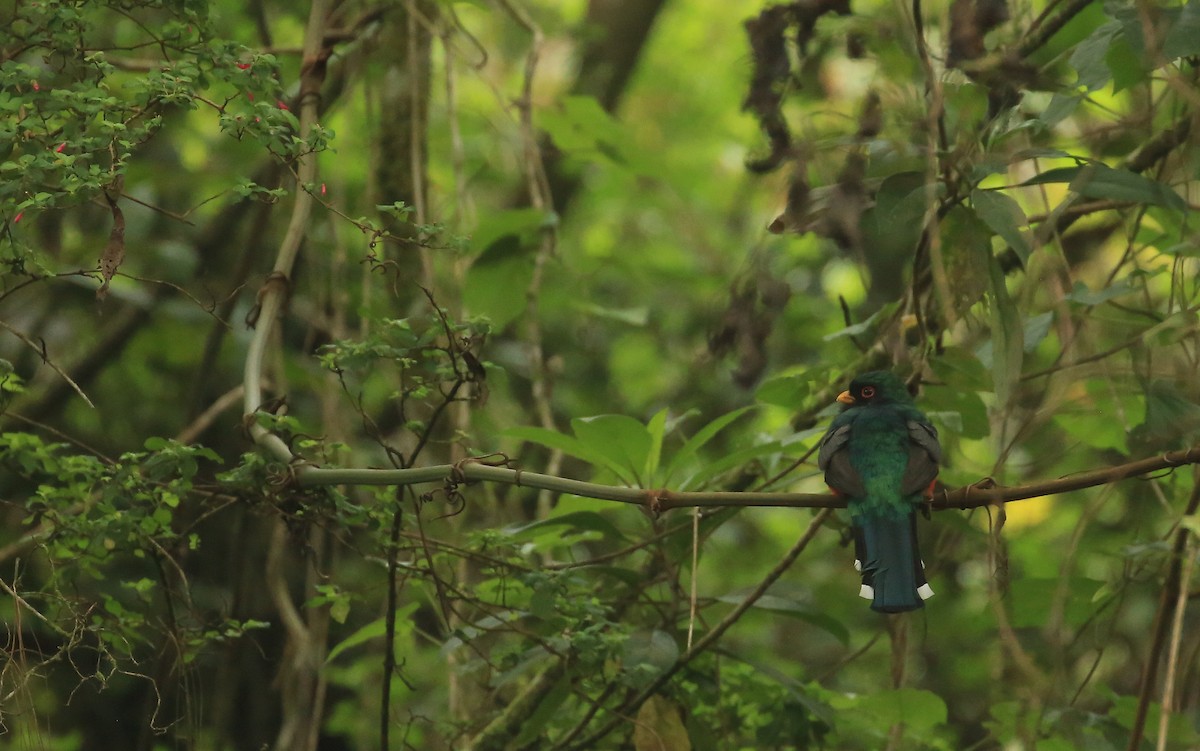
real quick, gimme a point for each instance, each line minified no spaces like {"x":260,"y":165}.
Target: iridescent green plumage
{"x":882,"y":454}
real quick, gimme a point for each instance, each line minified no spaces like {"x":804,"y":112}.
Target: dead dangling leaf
{"x":114,"y":251}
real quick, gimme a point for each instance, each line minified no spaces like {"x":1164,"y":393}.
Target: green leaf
{"x":496,"y":282}
{"x":1061,"y":107}
{"x":1004,"y":216}
{"x":374,"y":630}
{"x":728,"y":462}
{"x":865,"y":326}
{"x":972,"y":413}
{"x":1090,"y":57}
{"x":1126,"y":64}
{"x":1183,"y":36}
{"x":892,"y":227}
{"x":579,"y":125}
{"x":789,"y":391}
{"x":1098,"y":180}
{"x":1008,"y":338}
{"x":693,"y":445}
{"x":959,"y":369}
{"x":623,"y":440}
{"x":655,"y":428}
{"x":567,"y":444}
{"x":498,"y":224}
{"x":1056,"y":175}
{"x":1084,"y":296}
{"x":1036,"y":329}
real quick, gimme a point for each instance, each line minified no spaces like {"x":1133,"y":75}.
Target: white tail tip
{"x":857,"y":565}
{"x":925,"y":591}
{"x":866,"y":592}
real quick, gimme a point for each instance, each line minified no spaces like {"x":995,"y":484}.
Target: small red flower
{"x":60,"y":148}
{"x":17,"y":218}
{"x":36,"y":87}
{"x":322,"y":188}
{"x":282,"y":106}
{"x":250,"y":95}
{"x":243,"y":66}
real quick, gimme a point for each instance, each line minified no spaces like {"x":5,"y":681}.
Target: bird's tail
{"x":893,"y":576}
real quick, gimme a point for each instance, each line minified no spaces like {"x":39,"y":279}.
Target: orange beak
{"x":845,"y":398}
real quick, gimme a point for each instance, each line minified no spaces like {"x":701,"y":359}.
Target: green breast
{"x":879,"y":453}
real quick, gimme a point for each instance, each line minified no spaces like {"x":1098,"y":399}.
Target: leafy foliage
{"x":531,"y":249}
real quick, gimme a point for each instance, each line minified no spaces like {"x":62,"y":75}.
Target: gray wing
{"x":924,"y":456}
{"x":839,"y":473}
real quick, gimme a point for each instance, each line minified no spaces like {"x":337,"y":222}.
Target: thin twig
{"x":1168,"y":696}
{"x":618,"y":716}
{"x":42,"y":353}
{"x":1159,"y":630}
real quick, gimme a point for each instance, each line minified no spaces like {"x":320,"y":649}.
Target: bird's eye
{"x":868,"y":392}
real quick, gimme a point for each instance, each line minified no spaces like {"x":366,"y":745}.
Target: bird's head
{"x":874,"y":388}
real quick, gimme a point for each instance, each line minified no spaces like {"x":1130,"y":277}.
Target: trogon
{"x":882,"y":454}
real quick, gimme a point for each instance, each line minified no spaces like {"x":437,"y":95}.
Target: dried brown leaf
{"x":114,"y":250}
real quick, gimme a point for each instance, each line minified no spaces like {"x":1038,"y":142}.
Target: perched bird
{"x":882,"y":455}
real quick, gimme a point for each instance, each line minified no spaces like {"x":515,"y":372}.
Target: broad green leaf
{"x":569,"y":445}
{"x":1056,"y":175}
{"x":1172,"y":420}
{"x":497,"y":280}
{"x":1008,"y":338}
{"x":376,"y":629}
{"x":1090,"y":57}
{"x":966,"y":253}
{"x":789,"y":391}
{"x":497,"y":224}
{"x":1061,"y":107}
{"x":958,"y":369}
{"x":1004,"y":216}
{"x":579,"y":125}
{"x":726,"y":463}
{"x":1183,"y":35}
{"x":864,"y":327}
{"x":693,"y":445}
{"x":1084,"y":296}
{"x":1126,"y":63}
{"x":900,"y":204}
{"x":966,"y":404}
{"x":655,"y":428}
{"x":1098,"y":180}
{"x":623,"y":440}
{"x":1036,"y":329}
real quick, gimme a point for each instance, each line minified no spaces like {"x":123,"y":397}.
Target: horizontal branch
{"x":983,"y":493}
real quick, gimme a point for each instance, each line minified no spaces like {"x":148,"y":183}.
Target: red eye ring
{"x":868,"y":392}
